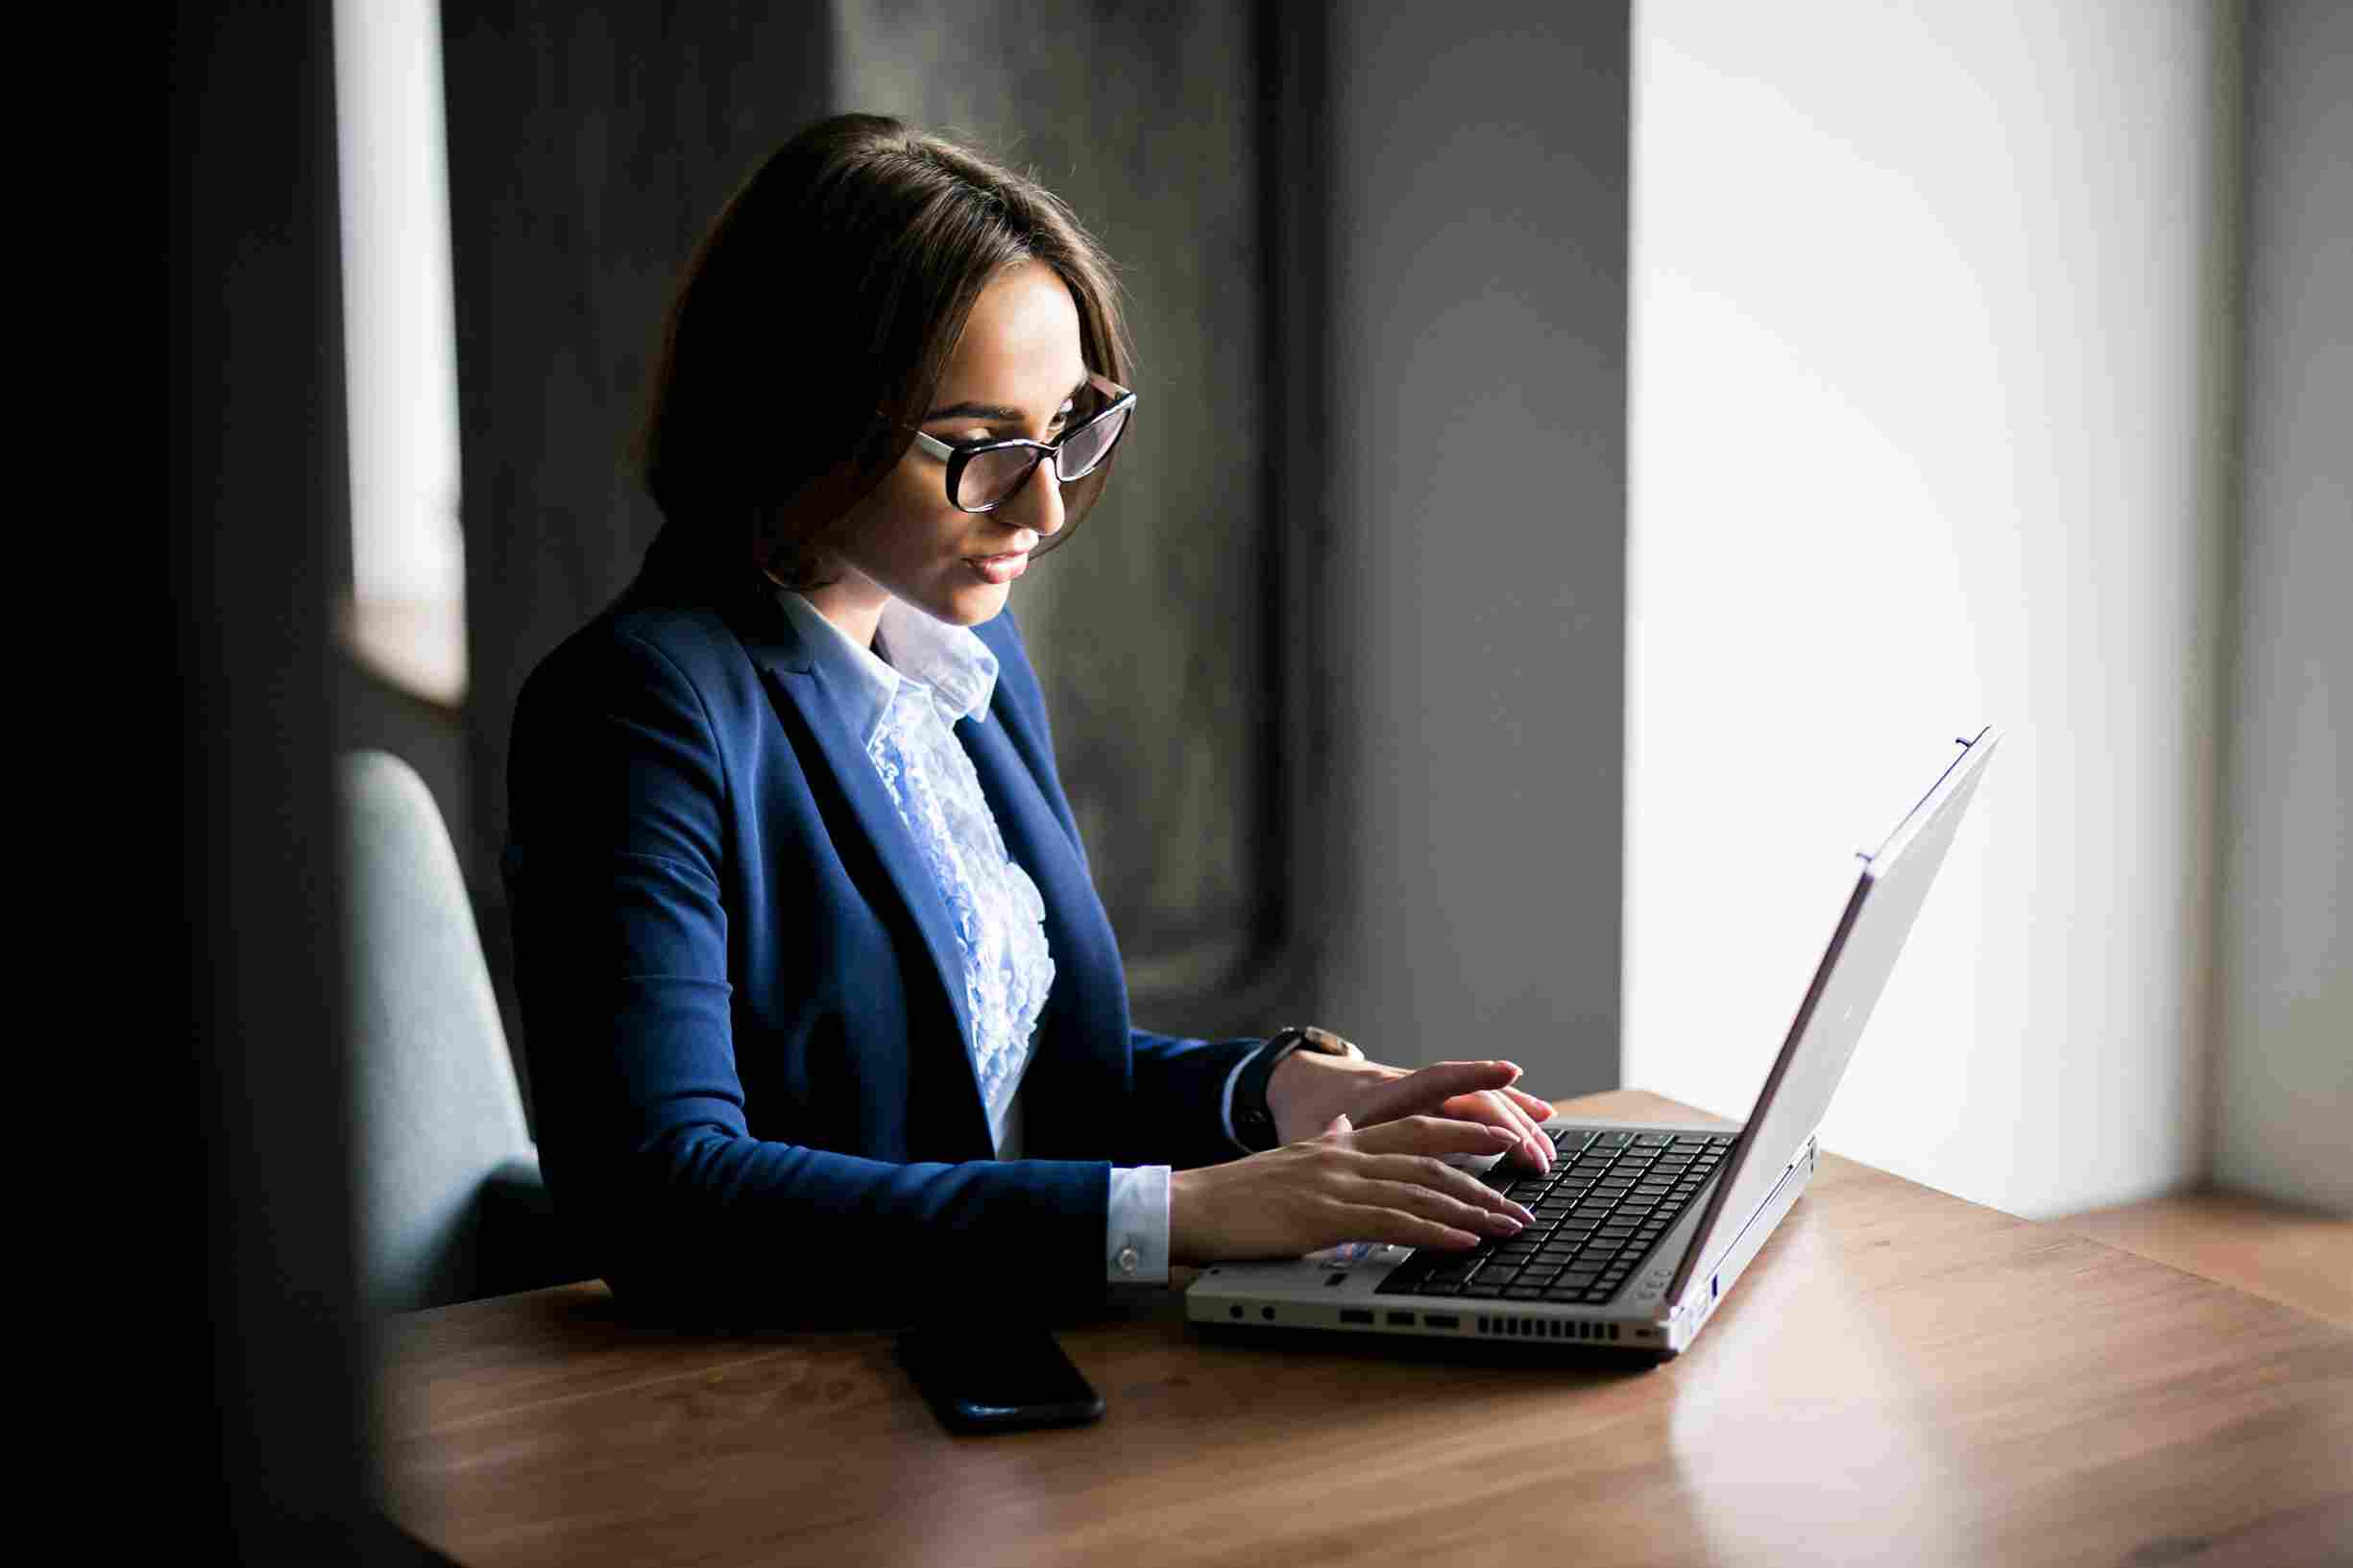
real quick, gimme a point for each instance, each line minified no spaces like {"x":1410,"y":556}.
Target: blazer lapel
{"x":777,"y":649}
{"x":1087,"y":1012}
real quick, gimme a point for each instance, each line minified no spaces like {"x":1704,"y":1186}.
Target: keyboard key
{"x":1650,"y":1140}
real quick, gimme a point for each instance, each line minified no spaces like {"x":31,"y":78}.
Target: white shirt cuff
{"x":1225,"y":1102}
{"x":1137,"y":1249}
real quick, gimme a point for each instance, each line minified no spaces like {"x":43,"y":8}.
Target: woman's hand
{"x":1383,"y":1184}
{"x":1308,"y":1088}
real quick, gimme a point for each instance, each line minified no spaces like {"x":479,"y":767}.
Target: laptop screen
{"x":1830,"y":1022}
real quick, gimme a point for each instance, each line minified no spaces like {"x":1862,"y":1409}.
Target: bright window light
{"x":406,"y":616}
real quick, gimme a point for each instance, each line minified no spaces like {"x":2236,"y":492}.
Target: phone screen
{"x":997,"y":1380}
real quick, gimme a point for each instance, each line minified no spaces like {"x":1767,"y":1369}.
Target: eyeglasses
{"x":984,"y":475}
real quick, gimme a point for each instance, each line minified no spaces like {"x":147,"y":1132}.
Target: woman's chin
{"x":969,"y":603}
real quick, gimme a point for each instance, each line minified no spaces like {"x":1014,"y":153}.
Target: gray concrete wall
{"x":2285,"y":938}
{"x":1477,"y":523}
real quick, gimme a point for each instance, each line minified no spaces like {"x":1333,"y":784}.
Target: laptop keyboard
{"x":1608,"y":1200}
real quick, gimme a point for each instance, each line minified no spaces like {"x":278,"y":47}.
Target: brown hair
{"x":810,"y":329}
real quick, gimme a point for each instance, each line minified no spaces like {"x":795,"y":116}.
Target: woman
{"x":824,"y":1011}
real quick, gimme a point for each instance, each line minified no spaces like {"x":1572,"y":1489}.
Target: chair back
{"x":439,"y":1110}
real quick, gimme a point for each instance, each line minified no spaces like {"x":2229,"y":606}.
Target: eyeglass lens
{"x":989,"y":477}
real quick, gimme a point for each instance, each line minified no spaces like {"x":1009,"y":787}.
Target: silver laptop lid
{"x":1830,"y":1022}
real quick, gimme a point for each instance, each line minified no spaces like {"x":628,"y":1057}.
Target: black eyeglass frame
{"x":959,"y":458}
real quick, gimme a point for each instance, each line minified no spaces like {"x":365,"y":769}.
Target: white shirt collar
{"x":948,"y":663}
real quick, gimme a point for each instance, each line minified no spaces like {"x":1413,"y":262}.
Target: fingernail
{"x":1504,"y":1225}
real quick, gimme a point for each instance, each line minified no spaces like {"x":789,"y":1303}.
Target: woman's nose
{"x":1039,"y":504}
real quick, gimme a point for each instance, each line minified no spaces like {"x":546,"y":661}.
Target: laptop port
{"x":1402,"y":1320}
{"x":1443,"y":1320}
{"x":1355,"y":1315}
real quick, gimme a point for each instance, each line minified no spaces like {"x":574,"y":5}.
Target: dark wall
{"x":587,"y":146}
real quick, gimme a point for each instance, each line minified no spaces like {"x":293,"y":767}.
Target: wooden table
{"x":1900,"y":1378}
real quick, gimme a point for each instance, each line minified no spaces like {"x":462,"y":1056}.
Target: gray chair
{"x":453,"y":1205}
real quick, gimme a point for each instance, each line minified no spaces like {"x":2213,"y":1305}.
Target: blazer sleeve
{"x":1187,"y":1076}
{"x":617,"y":849}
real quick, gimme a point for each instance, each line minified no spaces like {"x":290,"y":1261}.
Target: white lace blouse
{"x":906,"y":704}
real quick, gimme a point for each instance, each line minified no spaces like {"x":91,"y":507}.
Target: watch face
{"x":1324,"y":1040}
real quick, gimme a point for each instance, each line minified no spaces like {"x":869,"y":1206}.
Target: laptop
{"x":1640,"y":1227}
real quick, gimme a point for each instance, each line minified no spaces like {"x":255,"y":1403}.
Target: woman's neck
{"x":854,"y":603}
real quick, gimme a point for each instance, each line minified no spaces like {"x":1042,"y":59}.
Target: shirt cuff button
{"x":1129,"y":1260}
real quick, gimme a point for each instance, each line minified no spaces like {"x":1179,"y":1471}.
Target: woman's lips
{"x":1000,"y":568}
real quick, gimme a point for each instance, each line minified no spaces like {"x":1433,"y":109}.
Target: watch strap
{"x":1254,"y":1121}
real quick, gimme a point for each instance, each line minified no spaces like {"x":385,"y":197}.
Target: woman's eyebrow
{"x":1001,"y":412}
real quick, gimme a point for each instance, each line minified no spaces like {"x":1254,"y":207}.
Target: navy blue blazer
{"x":744,"y":1005}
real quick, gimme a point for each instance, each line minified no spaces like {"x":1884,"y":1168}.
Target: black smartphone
{"x":997,"y":1379}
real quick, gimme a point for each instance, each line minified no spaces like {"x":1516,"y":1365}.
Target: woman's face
{"x":1015,"y":373}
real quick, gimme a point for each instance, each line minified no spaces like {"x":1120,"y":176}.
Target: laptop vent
{"x":1546,"y":1328}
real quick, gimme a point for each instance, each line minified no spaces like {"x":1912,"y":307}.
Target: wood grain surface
{"x":1900,"y":1378}
{"x":2249,"y":1244}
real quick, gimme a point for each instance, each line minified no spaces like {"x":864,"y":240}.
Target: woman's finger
{"x":1433,"y":1086}
{"x":1434,"y":1135}
{"x":1541,"y":1109}
{"x":1431,"y":1204}
{"x":1363,"y":1222}
{"x":1421,"y":1171}
{"x":1533,"y":1149}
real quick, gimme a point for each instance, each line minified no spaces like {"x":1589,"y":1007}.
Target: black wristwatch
{"x":1254,"y":1121}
